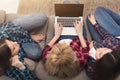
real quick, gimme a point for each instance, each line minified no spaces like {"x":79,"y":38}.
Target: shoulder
{"x":9,"y":26}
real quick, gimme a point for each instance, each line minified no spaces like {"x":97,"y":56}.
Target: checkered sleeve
{"x":108,"y":41}
{"x":105,"y":34}
{"x":90,"y":67}
{"x":46,"y":51}
{"x":18,"y":74}
{"x":82,"y":53}
{"x":14,"y":33}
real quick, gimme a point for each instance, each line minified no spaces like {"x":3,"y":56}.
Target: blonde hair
{"x":62,"y":62}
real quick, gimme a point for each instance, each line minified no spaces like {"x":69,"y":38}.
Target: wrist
{"x":22,"y":67}
{"x":56,"y":37}
{"x":80,"y":35}
{"x":94,"y":23}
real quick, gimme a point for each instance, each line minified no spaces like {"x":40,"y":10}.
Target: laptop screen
{"x":69,"y":10}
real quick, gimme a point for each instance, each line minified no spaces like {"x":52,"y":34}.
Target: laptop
{"x":66,"y":14}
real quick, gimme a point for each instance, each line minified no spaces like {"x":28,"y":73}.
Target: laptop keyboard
{"x":67,"y":21}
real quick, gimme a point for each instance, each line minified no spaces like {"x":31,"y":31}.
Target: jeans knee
{"x":32,"y":50}
{"x":36,"y":54}
{"x":98,"y":10}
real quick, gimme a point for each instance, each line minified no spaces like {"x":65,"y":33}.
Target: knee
{"x":32,"y":50}
{"x":98,"y":10}
{"x":35,"y":54}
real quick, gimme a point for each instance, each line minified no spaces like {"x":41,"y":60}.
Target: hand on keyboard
{"x":58,"y":29}
{"x":78,"y":27}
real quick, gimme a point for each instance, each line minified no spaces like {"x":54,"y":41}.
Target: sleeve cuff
{"x":95,"y":25}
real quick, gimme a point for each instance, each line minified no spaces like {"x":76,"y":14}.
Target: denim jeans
{"x":109,"y":20}
{"x":32,"y":50}
{"x":93,"y":32}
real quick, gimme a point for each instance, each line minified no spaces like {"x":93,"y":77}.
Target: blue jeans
{"x":32,"y":50}
{"x":93,"y":32}
{"x":109,"y":20}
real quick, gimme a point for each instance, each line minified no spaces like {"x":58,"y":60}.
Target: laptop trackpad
{"x":69,"y":31}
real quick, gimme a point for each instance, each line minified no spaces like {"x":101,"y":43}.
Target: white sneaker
{"x":76,"y":2}
{"x":66,"y":2}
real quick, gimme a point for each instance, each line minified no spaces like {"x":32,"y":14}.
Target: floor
{"x":47,"y":6}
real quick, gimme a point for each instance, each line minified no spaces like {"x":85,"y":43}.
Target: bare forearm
{"x":82,"y":41}
{"x":22,"y":67}
{"x":52,"y":42}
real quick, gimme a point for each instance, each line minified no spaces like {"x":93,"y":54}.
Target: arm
{"x":109,"y":40}
{"x":58,"y":30}
{"x":78,"y":27}
{"x":105,"y":34}
{"x":81,"y":52}
{"x":80,"y":45}
{"x":17,"y":63}
{"x":20,"y":69}
{"x":14,"y":33}
{"x":18,"y":74}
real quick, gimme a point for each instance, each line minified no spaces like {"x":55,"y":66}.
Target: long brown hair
{"x":62,"y":62}
{"x":108,"y":67}
{"x":5,"y":55}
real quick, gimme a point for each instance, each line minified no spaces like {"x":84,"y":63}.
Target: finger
{"x":13,"y":60}
{"x":106,"y":50}
{"x":89,"y":15}
{"x":61,"y":25}
{"x":93,"y":15}
{"x":100,"y":52}
{"x":55,"y":24}
{"x":78,"y":22}
{"x":15,"y":57}
{"x":75,"y":23}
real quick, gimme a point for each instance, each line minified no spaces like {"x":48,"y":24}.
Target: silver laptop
{"x":66,"y":14}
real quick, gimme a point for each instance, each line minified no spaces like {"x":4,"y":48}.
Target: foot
{"x":38,"y":37}
{"x":66,"y":2}
{"x":76,"y":2}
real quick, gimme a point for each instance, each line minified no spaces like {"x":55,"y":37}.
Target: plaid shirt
{"x":18,"y":34}
{"x":108,"y":41}
{"x":81,"y":53}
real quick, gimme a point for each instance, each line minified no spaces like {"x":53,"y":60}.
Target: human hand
{"x":91,"y":44}
{"x":92,"y":19}
{"x":58,"y":29}
{"x":16,"y":62}
{"x":16,"y":48}
{"x":100,"y":52}
{"x":78,"y":27}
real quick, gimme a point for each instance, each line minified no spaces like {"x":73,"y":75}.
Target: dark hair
{"x":107,"y":68}
{"x":5,"y":55}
